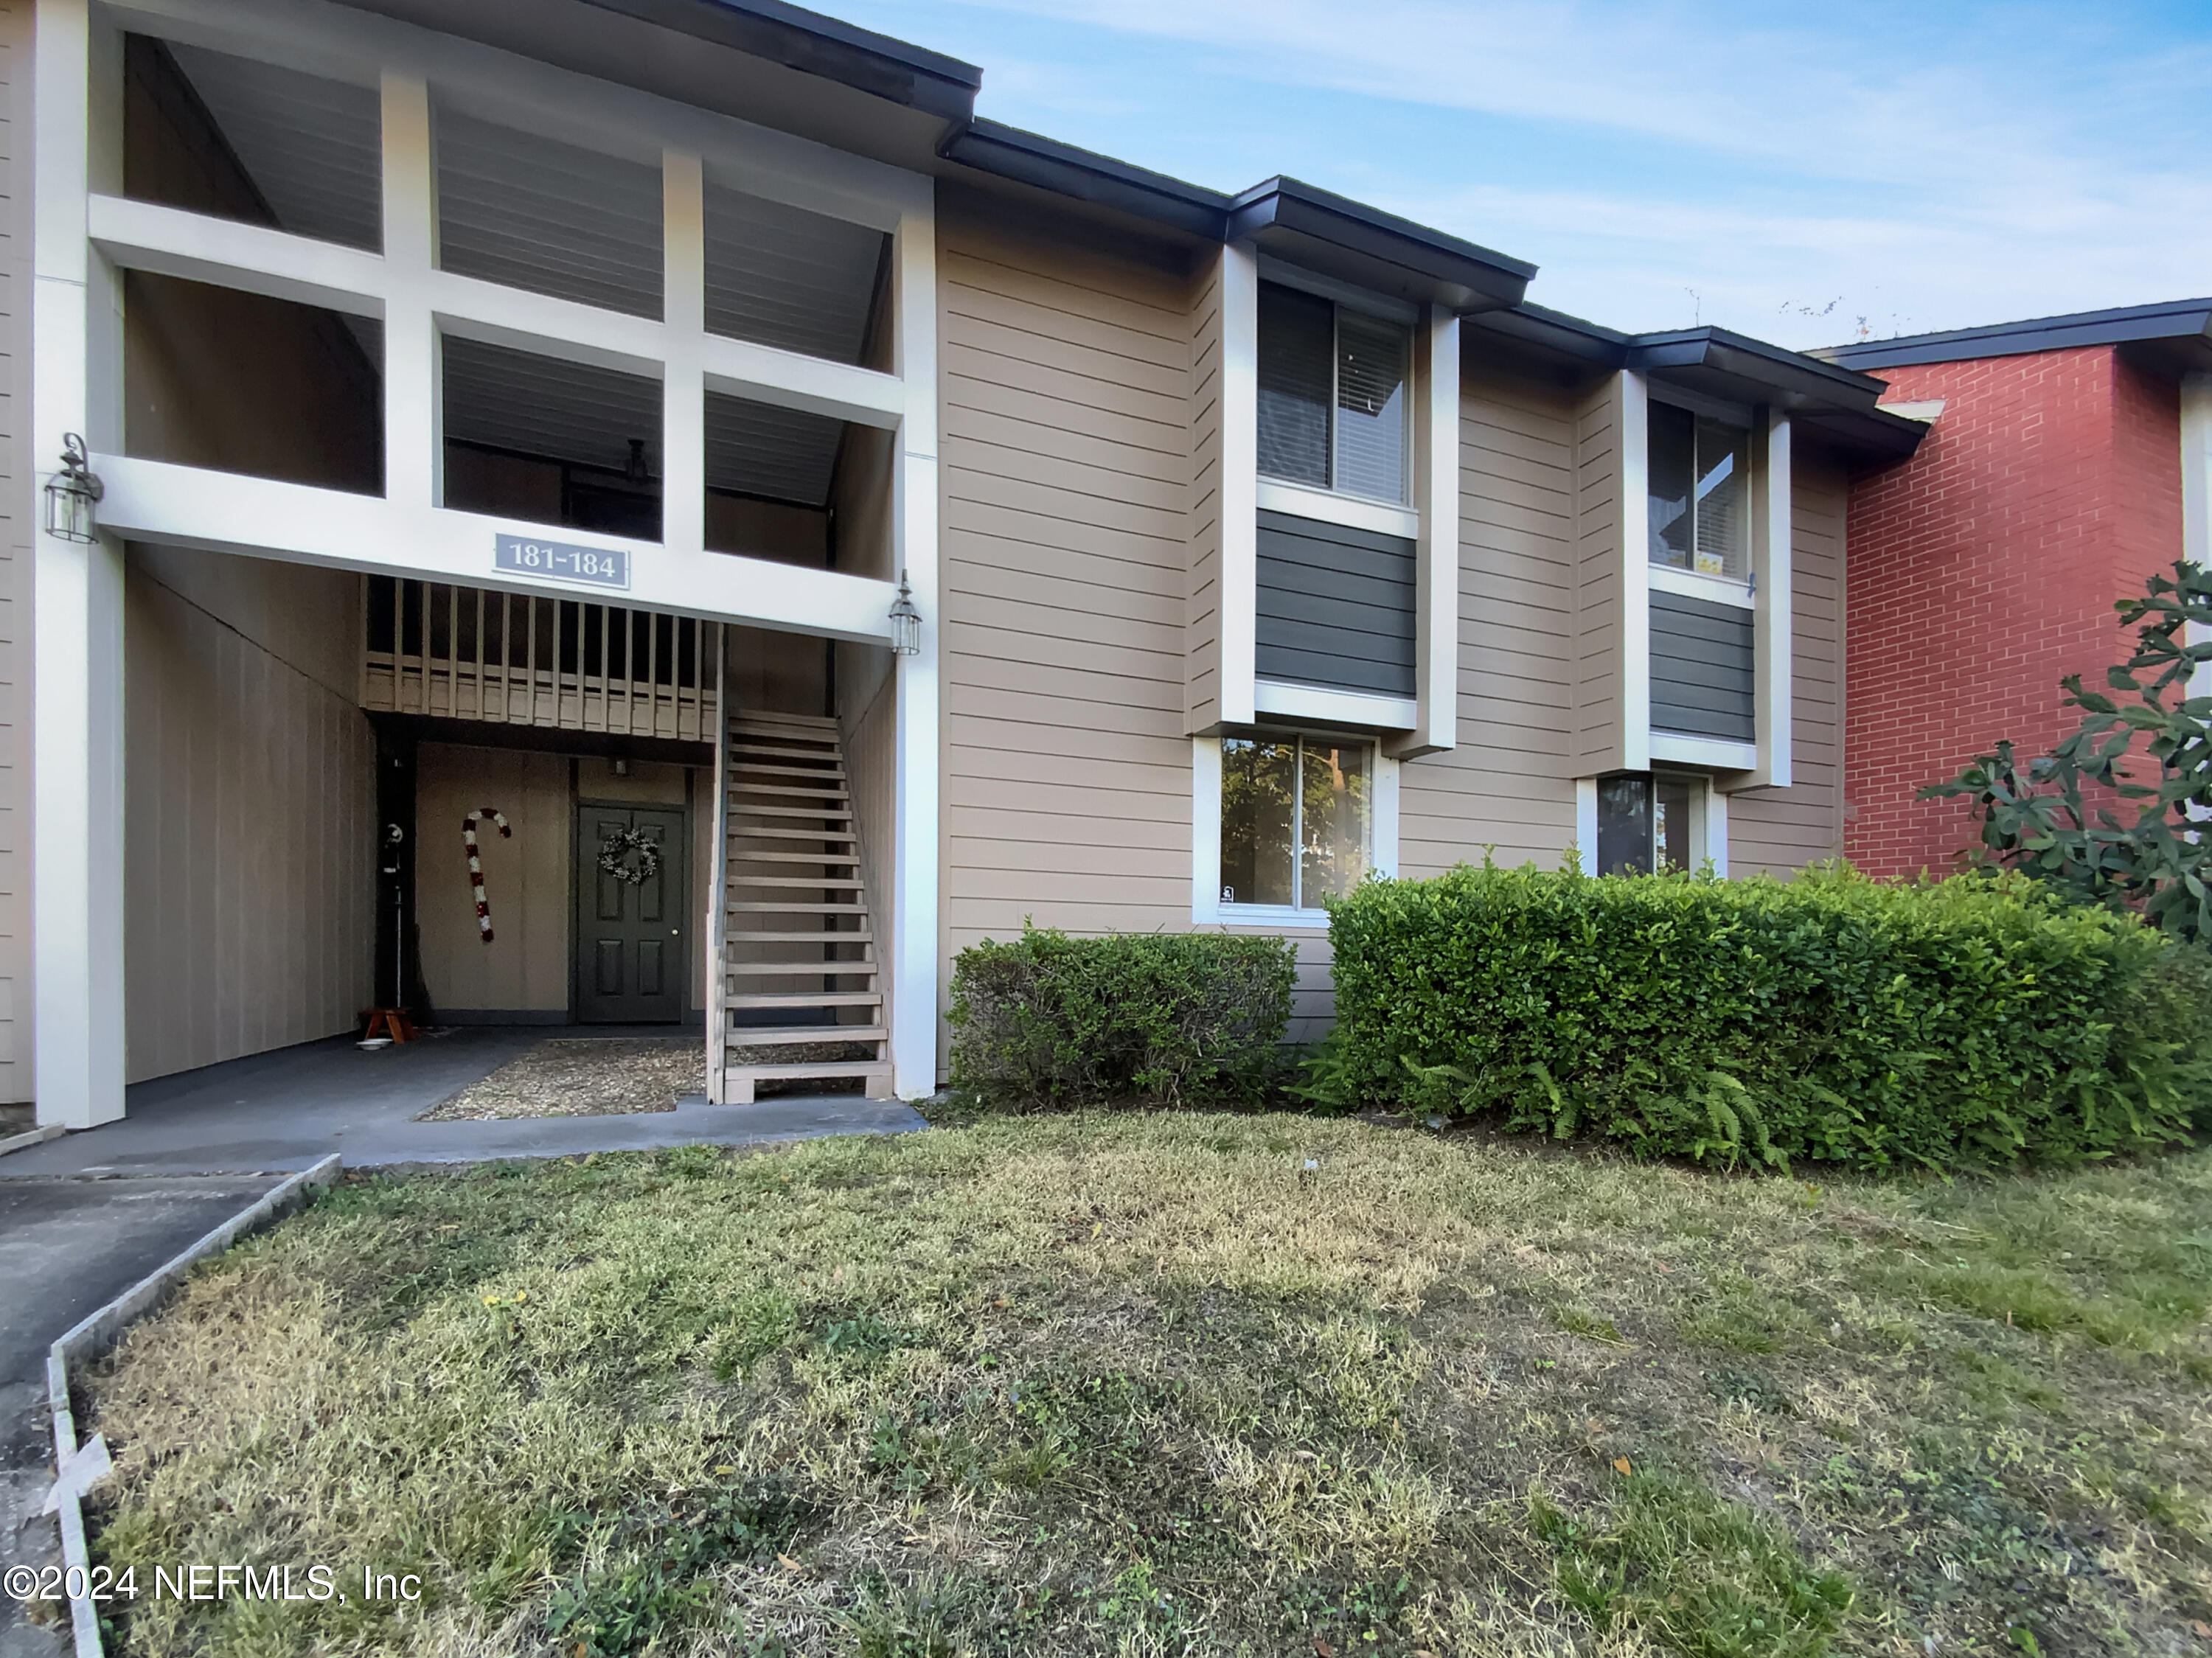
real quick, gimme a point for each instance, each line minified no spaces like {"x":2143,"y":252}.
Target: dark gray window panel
{"x":1703,"y":683}
{"x":1336,"y":606}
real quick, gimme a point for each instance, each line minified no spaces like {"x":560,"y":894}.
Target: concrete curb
{"x":31,"y":1137}
{"x":100,"y":1331}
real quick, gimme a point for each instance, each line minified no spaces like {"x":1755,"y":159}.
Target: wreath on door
{"x":631,"y":856}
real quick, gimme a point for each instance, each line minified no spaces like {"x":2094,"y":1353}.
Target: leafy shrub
{"x":1958,"y":1023}
{"x":1157,"y":1018}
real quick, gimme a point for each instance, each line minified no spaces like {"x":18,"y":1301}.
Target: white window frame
{"x":1708,"y":830}
{"x":1426,"y":723}
{"x":1207,"y":909}
{"x":1766,"y":762}
{"x":1691,"y":583}
{"x":1326,"y":502}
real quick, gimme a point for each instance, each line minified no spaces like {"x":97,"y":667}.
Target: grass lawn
{"x":1166,"y":1384}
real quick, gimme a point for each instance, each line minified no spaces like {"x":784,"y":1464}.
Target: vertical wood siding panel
{"x":247,"y":853}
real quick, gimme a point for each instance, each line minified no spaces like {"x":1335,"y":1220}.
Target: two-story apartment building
{"x":796,"y":528}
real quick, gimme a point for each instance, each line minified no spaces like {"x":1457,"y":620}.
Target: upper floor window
{"x":1334,"y":400}
{"x":1700,"y":492}
{"x":1295,"y":813}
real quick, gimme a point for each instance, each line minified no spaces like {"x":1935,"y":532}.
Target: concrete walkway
{"x":283,"y":1111}
{"x":66,"y":1247}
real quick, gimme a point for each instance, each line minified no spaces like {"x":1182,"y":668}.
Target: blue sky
{"x":1805,"y":173}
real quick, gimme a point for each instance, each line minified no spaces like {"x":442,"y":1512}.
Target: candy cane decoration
{"x":476,"y":863}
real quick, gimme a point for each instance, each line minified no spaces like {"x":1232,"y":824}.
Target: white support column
{"x":1435,"y":493}
{"x":684,"y":383}
{"x":1240,"y":482}
{"x":1772,"y":608}
{"x":414,"y":414}
{"x":76,"y":673}
{"x":1635,"y":582}
{"x":916,"y":847}
{"x":2196,"y":497}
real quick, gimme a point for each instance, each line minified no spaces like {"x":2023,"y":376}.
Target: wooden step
{"x":820,"y":774}
{"x":827,"y":751}
{"x":761,"y":1036}
{"x":822,"y":814}
{"x":775,"y":1073}
{"x":745,"y":717}
{"x":794,"y":835}
{"x":822,"y":883}
{"x":756,"y":906}
{"x":751,"y":857}
{"x":806,"y":998}
{"x":801,"y":969}
{"x":737,"y":792}
{"x":858,"y":936}
{"x":739,"y":1080}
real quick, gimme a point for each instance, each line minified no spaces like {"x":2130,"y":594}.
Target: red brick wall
{"x":1985,"y":568}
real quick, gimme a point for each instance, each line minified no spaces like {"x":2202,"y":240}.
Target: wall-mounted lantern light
{"x":71,"y":492}
{"x":906,"y":623}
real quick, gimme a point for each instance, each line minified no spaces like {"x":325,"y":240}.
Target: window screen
{"x":1700,"y":492}
{"x":1333,"y":395}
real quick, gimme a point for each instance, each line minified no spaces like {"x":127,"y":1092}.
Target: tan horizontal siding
{"x":1065,"y":486}
{"x":1782,"y":830}
{"x":1507,"y":783}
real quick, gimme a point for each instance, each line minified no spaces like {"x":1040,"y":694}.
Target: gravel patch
{"x":611,"y":1076}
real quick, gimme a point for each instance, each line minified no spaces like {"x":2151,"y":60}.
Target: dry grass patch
{"x":1133,"y":1385}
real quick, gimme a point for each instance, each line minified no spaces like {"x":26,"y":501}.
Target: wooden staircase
{"x":797,"y":954}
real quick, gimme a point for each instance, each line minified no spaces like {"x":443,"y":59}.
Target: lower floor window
{"x":1648,"y":821}
{"x":1295,"y":817}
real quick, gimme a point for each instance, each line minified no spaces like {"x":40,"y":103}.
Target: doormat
{"x":614,"y":1076}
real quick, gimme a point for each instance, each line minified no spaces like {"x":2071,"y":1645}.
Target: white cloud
{"x":1933,"y":167}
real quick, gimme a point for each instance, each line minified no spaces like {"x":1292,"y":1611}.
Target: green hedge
{"x":1965,"y":1022}
{"x":1152,"y":1018}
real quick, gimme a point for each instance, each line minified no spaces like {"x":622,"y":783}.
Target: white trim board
{"x":1635,"y":512}
{"x":1709,"y":753}
{"x":1714,"y":590}
{"x":224,"y":512}
{"x":1363,"y":709}
{"x":1382,"y":518}
{"x":1774,"y":533}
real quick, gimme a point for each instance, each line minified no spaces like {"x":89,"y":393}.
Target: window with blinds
{"x":1334,"y":395}
{"x":1700,"y":492}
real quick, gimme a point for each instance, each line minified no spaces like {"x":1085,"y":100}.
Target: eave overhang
{"x":1330,"y":234}
{"x":2173,"y":336}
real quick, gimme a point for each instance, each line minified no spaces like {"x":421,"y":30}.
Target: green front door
{"x":630,"y":961}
